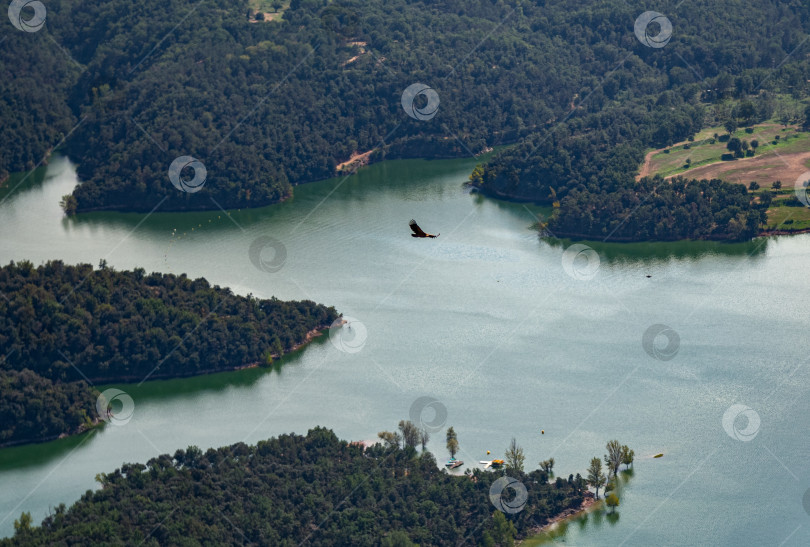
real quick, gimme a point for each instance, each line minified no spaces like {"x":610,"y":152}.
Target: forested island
{"x":270,"y":105}
{"x":63,"y":326}
{"x":294,"y":490}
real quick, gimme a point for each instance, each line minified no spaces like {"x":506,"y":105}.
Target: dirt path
{"x":645,"y":167}
{"x":361,"y":159}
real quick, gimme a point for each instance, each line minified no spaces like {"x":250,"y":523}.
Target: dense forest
{"x":61,"y":325}
{"x":585,"y":165}
{"x":266,"y":106}
{"x":297,"y":490}
{"x":657,"y":209}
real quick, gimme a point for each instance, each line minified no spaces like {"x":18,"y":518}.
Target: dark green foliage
{"x":268,"y":106}
{"x":264,"y":106}
{"x":118,"y":326}
{"x":594,"y":150}
{"x":34,"y":115}
{"x":57,"y":320}
{"x":287,"y":491}
{"x":654,"y":209}
{"x":33,"y":408}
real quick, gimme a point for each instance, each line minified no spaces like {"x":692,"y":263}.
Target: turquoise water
{"x":485,"y":320}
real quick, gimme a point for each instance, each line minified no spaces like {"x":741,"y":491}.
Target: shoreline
{"x":314,"y":333}
{"x":367,"y":158}
{"x":589,"y":501}
{"x":311,"y":335}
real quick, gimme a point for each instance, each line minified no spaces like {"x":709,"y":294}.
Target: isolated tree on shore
{"x":596,"y":477}
{"x":69,"y":204}
{"x":514,"y":456}
{"x":613,"y":458}
{"x":547,"y":466}
{"x":409,"y":433}
{"x":612,"y":501}
{"x":627,"y":456}
{"x":452,"y":442}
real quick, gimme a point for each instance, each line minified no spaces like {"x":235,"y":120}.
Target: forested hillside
{"x":34,"y":111}
{"x":266,"y":106}
{"x":60,"y":325}
{"x":296,"y":490}
{"x":586,"y":164}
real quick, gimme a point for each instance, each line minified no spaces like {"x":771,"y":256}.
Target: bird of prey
{"x":417,"y":231}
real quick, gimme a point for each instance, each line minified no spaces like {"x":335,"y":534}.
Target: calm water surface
{"x":486,"y":320}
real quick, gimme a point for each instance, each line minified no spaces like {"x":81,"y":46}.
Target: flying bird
{"x":419,"y":232}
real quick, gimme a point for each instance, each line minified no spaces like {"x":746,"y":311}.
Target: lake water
{"x":486,"y":320}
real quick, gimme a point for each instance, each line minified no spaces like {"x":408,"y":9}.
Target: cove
{"x":485,"y":320}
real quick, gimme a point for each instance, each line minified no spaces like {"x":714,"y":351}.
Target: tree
{"x":612,"y":501}
{"x":753,"y":186}
{"x":547,"y":466}
{"x":277,"y":6}
{"x":514,"y":456}
{"x":613,"y":459}
{"x":409,"y":433}
{"x":596,"y":477}
{"x":23,"y":525}
{"x":260,"y":16}
{"x":731,"y":126}
{"x":503,"y":531}
{"x":734,"y":144}
{"x":424,"y":437}
{"x":754,"y":144}
{"x":390,"y":438}
{"x":628,"y":454}
{"x":68,"y":203}
{"x":452,"y":442}
{"x":765,"y":199}
{"x":777,"y":184}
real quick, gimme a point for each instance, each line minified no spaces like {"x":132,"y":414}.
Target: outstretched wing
{"x":417,"y":231}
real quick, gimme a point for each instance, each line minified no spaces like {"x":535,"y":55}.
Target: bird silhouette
{"x":418,"y":232}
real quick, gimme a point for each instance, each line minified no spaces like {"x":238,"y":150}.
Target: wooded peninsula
{"x":63,"y":326}
{"x":295,"y":489}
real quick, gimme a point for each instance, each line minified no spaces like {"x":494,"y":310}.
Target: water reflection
{"x":596,"y":516}
{"x":193,"y":386}
{"x":620,"y":254}
{"x":18,"y":183}
{"x":39,"y":454}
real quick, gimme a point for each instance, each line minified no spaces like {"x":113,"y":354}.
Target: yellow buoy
{"x":542,"y":431}
{"x":487,"y":451}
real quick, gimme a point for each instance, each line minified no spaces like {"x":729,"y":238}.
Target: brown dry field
{"x":763,"y":169}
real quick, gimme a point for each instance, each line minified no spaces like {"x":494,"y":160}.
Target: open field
{"x":706,"y":151}
{"x":789,"y":218}
{"x":764,"y":169}
{"x":268,"y":7}
{"x":783,"y":155}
